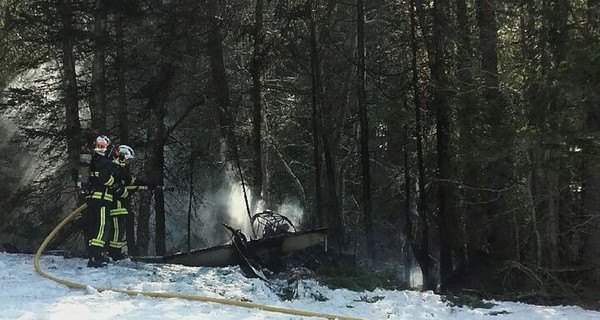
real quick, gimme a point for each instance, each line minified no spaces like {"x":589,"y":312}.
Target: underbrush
{"x":356,"y":278}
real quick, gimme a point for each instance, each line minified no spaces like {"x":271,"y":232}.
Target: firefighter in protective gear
{"x":103,"y":190}
{"x":124,"y":155}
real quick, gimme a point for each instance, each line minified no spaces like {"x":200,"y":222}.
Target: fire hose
{"x":237,"y":303}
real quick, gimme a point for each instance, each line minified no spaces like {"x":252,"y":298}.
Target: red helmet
{"x":101,"y":145}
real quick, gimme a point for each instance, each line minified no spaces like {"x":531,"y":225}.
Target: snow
{"x":27,"y":295}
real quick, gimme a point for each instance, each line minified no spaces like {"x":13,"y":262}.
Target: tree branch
{"x":189,"y":109}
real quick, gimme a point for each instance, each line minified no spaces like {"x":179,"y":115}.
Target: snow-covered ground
{"x":25,"y":294}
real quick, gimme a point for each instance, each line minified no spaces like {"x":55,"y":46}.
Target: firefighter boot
{"x":116,"y":254}
{"x":94,"y":262}
{"x":97,"y":258}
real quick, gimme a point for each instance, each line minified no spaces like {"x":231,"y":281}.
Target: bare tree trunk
{"x":121,"y":74}
{"x":69,"y":83}
{"x":143,"y":224}
{"x":157,"y":92}
{"x":365,"y":158}
{"x":591,"y":193}
{"x":440,"y":83}
{"x":528,"y":21}
{"x":408,"y":206}
{"x":332,"y":203}
{"x":219,"y":77}
{"x":467,"y":113}
{"x":559,"y":41}
{"x":98,"y":102}
{"x":191,"y":195}
{"x":317,"y":218}
{"x":157,"y":166}
{"x":500,"y":139}
{"x":420,"y":247}
{"x":123,"y":117}
{"x":256,"y":68}
{"x":266,"y":173}
{"x":552,"y":178}
{"x":591,"y":188}
{"x":533,"y":212}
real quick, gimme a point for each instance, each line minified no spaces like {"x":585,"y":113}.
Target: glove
{"x":118,"y":191}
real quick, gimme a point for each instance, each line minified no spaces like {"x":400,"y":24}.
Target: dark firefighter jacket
{"x":124,"y":177}
{"x":103,"y":184}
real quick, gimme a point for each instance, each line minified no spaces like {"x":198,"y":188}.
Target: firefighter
{"x":124,"y":155}
{"x":103,"y":188}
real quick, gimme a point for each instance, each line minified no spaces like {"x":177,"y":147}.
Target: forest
{"x":459,"y":137}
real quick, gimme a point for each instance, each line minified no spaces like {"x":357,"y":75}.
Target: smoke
{"x":224,"y":200}
{"x":228,"y":205}
{"x":292,"y":209}
{"x":238,"y":214}
{"x":7,"y":131}
{"x":225,"y":205}
{"x":30,"y":158}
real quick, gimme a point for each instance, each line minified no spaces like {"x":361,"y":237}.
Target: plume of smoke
{"x":292,"y":209}
{"x":225,"y":205}
{"x":228,"y":205}
{"x":224,"y":201}
{"x":239,"y":217}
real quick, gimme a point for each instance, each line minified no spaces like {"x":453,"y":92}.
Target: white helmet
{"x":126,"y":153}
{"x":101,"y":145}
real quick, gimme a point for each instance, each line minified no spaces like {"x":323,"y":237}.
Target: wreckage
{"x":277,"y":237}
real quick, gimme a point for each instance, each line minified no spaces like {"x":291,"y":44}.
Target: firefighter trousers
{"x":118,"y":216}
{"x":98,"y":224}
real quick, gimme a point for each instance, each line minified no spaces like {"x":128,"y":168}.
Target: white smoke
{"x":292,"y":209}
{"x":228,"y":205}
{"x":224,"y":206}
{"x":237,"y":209}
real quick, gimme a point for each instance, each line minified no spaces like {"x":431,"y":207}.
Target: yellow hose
{"x":244,"y":304}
